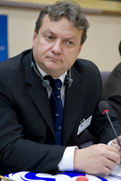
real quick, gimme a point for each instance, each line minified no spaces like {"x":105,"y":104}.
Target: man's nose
{"x":57,"y":47}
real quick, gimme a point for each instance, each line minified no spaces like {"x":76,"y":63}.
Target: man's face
{"x":56,"y":46}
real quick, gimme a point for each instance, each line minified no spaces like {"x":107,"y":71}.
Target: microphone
{"x":68,"y":79}
{"x":104,"y":109}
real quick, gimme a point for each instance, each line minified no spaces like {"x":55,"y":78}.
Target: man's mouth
{"x":54,"y":59}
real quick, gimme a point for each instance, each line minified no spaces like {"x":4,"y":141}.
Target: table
{"x":65,"y":176}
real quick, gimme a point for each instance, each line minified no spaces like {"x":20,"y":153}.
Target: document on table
{"x":65,"y":176}
{"x":115,"y":174}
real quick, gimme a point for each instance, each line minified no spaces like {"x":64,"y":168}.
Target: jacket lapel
{"x":73,"y":105}
{"x":39,"y":96}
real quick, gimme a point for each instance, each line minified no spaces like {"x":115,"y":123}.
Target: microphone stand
{"x":113,"y":128}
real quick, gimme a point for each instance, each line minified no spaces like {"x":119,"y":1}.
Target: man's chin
{"x":52,"y":70}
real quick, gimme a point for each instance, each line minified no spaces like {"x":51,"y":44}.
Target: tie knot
{"x":57,"y":84}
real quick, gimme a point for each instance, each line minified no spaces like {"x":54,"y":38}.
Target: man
{"x":27,"y":135}
{"x":112,"y":87}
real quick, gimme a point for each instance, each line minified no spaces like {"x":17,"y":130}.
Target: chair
{"x":104,"y":76}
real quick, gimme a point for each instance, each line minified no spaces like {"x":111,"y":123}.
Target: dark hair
{"x":119,"y":47}
{"x":70,"y":10}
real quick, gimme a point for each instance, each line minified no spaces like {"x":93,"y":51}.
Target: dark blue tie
{"x":57,"y":109}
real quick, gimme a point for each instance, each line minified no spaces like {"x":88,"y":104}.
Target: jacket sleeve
{"x":18,"y":153}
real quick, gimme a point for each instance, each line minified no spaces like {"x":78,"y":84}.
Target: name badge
{"x":84,"y":124}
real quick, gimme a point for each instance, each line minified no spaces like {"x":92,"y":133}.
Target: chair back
{"x":104,"y":76}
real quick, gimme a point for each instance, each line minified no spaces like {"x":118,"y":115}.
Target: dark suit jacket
{"x":27,"y":139}
{"x":112,"y":89}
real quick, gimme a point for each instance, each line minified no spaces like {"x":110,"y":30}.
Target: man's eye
{"x":69,"y":42}
{"x":49,"y":37}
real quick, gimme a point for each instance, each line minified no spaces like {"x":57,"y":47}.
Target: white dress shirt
{"x":67,"y":161}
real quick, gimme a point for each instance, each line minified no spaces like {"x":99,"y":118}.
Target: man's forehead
{"x":49,"y":19}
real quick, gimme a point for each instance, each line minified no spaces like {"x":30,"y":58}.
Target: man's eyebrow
{"x":70,"y":38}
{"x":48,"y":31}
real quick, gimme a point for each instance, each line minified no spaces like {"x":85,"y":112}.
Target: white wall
{"x":101,"y":47}
{"x":103,"y":39}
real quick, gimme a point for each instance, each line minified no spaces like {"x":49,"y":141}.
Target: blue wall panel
{"x":3,"y":37}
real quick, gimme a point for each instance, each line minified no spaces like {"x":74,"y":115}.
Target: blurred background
{"x":104,"y":33}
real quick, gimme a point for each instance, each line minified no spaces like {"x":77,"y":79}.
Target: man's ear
{"x":80,"y":49}
{"x":34,"y":38}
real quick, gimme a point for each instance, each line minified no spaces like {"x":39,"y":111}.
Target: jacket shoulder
{"x":13,"y":62}
{"x":86,"y":66}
